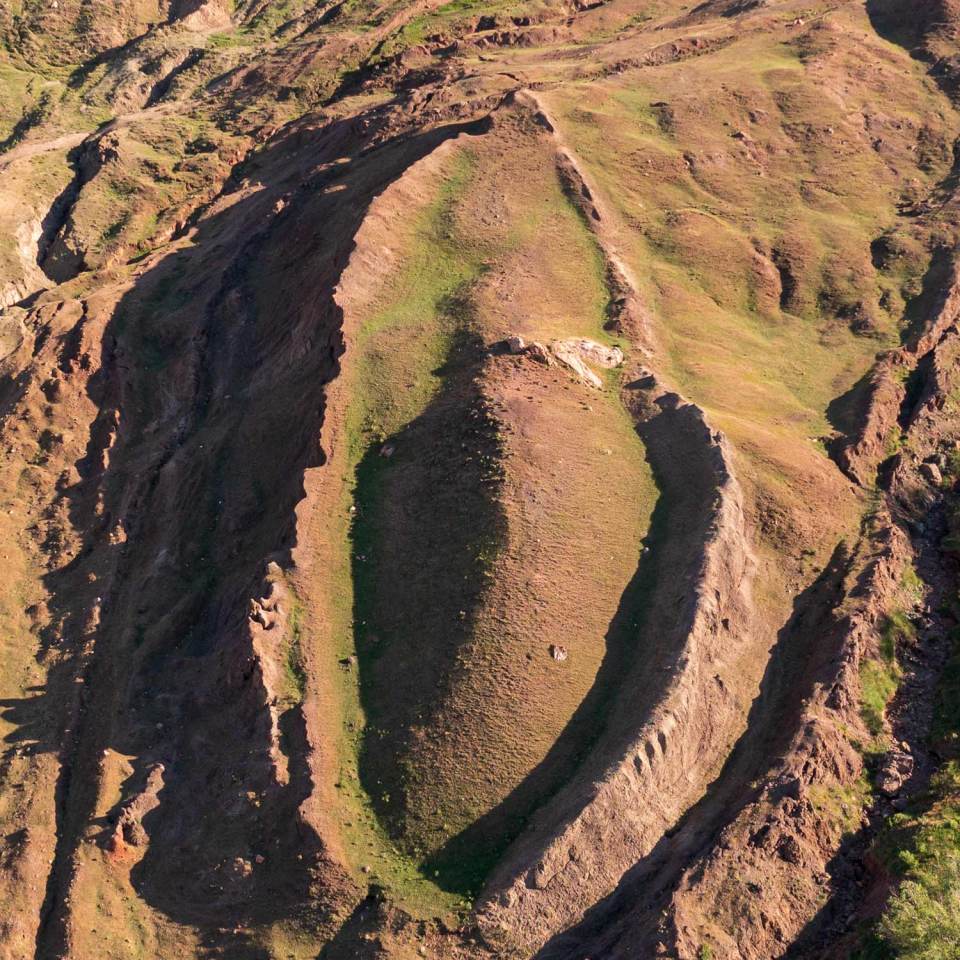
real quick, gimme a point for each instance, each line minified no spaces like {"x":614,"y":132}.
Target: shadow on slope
{"x":429,"y":525}
{"x":802,"y":656}
{"x":211,"y":393}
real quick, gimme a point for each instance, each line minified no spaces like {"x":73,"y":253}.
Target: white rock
{"x":570,"y":358}
{"x":595,"y":353}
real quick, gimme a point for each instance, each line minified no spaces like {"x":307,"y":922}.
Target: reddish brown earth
{"x":466,"y":469}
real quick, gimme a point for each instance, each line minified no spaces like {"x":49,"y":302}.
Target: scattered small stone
{"x":932,"y":472}
{"x":388,"y":450}
{"x":558,"y":652}
{"x":516,"y":345}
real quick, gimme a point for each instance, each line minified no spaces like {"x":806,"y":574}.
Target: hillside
{"x":480,"y":480}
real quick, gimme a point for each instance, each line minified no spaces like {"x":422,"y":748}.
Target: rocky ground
{"x":478,"y":480}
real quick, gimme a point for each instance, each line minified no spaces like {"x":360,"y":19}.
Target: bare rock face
{"x":571,"y":358}
{"x":895,"y":771}
{"x":860,"y":456}
{"x":592,"y":352}
{"x":932,"y":473}
{"x":579,"y":354}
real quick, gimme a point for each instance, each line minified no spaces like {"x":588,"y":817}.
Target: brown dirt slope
{"x":474,"y":478}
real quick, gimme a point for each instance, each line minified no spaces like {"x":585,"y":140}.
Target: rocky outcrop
{"x":860,"y":456}
{"x":609,"y":358}
{"x":578,"y":355}
{"x":128,"y":830}
{"x":766,"y":875}
{"x":28,"y":278}
{"x":273,"y":657}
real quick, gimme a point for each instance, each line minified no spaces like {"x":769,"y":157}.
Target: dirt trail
{"x":68,"y":141}
{"x":33,"y":148}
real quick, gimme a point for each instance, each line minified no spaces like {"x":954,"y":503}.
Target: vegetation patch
{"x":922,"y":919}
{"x":402,"y":356}
{"x":293,"y":666}
{"x":921,"y":848}
{"x":879,"y":677}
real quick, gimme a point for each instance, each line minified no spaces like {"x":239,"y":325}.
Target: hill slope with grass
{"x":479,"y":479}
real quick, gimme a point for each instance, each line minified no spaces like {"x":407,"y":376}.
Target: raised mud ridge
{"x":675,"y":717}
{"x":777,"y":872}
{"x":663,"y":744}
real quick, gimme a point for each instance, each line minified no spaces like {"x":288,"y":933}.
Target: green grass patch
{"x":445,"y":17}
{"x":293,"y":668}
{"x":224,"y":41}
{"x":921,"y":847}
{"x":880,"y":677}
{"x":398,"y":358}
{"x":842,"y":804}
{"x":946,"y":719}
{"x":922,"y":919}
